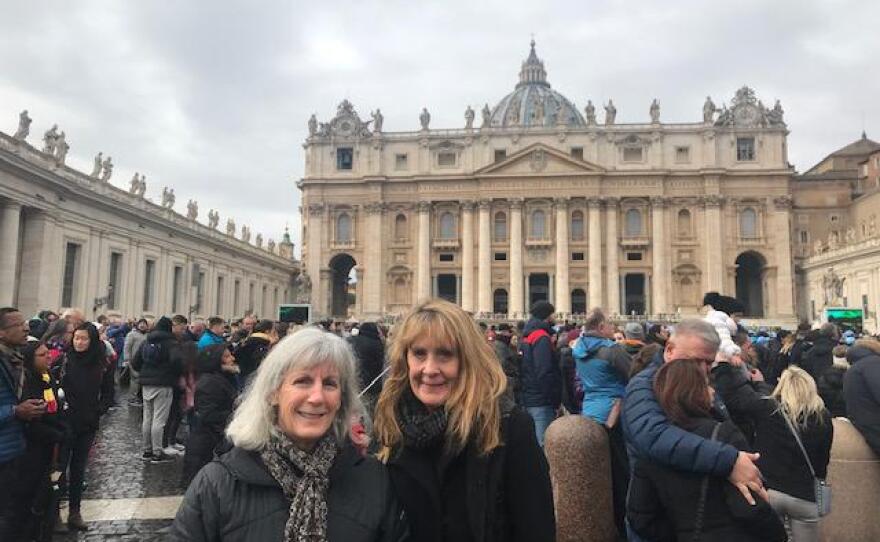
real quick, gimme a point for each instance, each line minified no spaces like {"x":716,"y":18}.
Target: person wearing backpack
{"x":159,"y":364}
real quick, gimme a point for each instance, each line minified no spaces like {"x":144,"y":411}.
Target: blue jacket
{"x":603,"y":369}
{"x":540,"y":375}
{"x":12,"y":442}
{"x":650,"y":435}
{"x":208,"y":338}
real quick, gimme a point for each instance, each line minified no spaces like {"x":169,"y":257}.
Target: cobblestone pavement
{"x":116,"y":471}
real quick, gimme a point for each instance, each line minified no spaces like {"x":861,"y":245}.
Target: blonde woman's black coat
{"x":502,"y":497}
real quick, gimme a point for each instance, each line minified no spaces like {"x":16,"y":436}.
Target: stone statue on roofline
{"x":96,"y":169}
{"x":259,"y":240}
{"x":590,"y":111}
{"x":107,"y":168}
{"x":24,"y":126}
{"x":378,"y":120}
{"x":270,"y":246}
{"x":610,"y":113}
{"x":49,"y":139}
{"x":313,"y":125}
{"x":192,"y":209}
{"x":213,"y":219}
{"x":135,"y":183}
{"x":142,"y":186}
{"x":487,"y":116}
{"x":469,"y":118}
{"x":61,"y":148}
{"x":709,"y":111}
{"x":425,"y":118}
{"x":655,"y":112}
{"x":230,"y":227}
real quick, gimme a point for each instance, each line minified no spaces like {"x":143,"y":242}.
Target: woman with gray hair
{"x":292,"y":473}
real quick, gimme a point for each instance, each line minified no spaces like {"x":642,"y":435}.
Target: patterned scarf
{"x":303,"y":477}
{"x":420,"y":427}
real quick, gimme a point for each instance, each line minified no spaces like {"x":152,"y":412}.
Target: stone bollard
{"x":854,"y":475}
{"x":580,"y":469}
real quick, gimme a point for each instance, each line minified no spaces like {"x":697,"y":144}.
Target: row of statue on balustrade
{"x":321,"y":129}
{"x":834,"y":241}
{"x":55,"y":144}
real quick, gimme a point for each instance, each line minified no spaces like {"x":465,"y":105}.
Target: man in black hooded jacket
{"x":159,"y":365}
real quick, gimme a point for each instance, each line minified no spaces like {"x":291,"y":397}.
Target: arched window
{"x":499,"y":301}
{"x":539,"y":225}
{"x":578,"y":301}
{"x":577,"y":226}
{"x":748,"y":223}
{"x":400,"y":231}
{"x":633,"y":223}
{"x":684,"y":223}
{"x":343,"y":228}
{"x":447,"y":226}
{"x":401,"y":292}
{"x":500,"y":226}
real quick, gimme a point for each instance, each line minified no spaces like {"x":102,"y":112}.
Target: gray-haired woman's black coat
{"x":234,"y":498}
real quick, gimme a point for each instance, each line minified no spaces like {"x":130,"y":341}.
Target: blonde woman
{"x":464,"y":461}
{"x":793,"y":406}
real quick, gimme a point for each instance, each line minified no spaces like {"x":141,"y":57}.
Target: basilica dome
{"x":533,"y":102}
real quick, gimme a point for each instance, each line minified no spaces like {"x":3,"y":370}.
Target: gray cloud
{"x":212,"y":98}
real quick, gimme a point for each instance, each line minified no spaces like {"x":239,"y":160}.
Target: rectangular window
{"x":250,"y":297}
{"x":577,"y":153}
{"x":446,"y":159}
{"x":176,"y":284}
{"x":71,"y":268}
{"x":577,"y":256}
{"x":149,"y":277}
{"x":401,"y":162}
{"x":632,"y":154}
{"x":804,"y":237}
{"x":344,"y":158}
{"x":236,"y":291}
{"x":113,"y":279}
{"x":864,"y":304}
{"x":682,"y":155}
{"x":445,"y":257}
{"x":200,"y":291}
{"x":500,"y":155}
{"x":264,"y":300}
{"x":219,"y":300}
{"x":745,"y":149}
{"x":500,"y":256}
{"x":633,"y":256}
{"x":275,"y":300}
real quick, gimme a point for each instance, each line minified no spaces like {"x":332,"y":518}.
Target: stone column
{"x":594,"y":298}
{"x":320,"y":287}
{"x":612,"y":271}
{"x":423,"y":261}
{"x":515,"y":299}
{"x":467,"y":256}
{"x":784,"y":276}
{"x":374,"y":272}
{"x":658,"y":255}
{"x":714,"y":244}
{"x":484,"y":260}
{"x":10,"y":231}
{"x":563,"y":291}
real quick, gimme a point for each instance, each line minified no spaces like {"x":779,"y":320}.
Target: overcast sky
{"x":212,"y":98}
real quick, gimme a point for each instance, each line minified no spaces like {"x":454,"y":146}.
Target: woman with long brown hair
{"x":463,"y":459}
{"x":667,"y":504}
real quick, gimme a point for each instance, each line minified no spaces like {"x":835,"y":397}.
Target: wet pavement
{"x":121,"y":487}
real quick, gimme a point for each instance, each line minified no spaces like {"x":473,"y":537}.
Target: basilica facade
{"x":536,"y":199}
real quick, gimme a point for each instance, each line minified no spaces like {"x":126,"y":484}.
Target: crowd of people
{"x":433,"y":429}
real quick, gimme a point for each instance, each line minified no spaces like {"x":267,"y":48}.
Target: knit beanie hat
{"x":542,"y":310}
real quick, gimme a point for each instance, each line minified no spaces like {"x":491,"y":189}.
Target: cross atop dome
{"x":532,"y":71}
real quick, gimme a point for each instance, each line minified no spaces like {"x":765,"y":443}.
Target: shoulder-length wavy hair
{"x":256,"y":419}
{"x":682,"y":389}
{"x":798,"y":397}
{"x":473,"y":407}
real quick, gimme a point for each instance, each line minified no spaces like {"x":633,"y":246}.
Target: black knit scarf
{"x":420,"y":427}
{"x":304,"y":478}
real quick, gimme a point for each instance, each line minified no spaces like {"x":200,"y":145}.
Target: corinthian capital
{"x":516,"y":203}
{"x":374,"y":208}
{"x":467,"y":205}
{"x":659,"y":201}
{"x":424,"y":206}
{"x":316,"y":209}
{"x":594,"y":203}
{"x":783,"y":203}
{"x":485,"y":204}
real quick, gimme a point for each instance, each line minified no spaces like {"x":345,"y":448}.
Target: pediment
{"x":539,"y":159}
